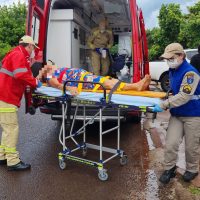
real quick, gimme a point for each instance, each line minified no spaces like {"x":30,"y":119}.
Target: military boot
{"x":3,"y":162}
{"x":167,"y":175}
{"x":188,"y":176}
{"x":19,"y":167}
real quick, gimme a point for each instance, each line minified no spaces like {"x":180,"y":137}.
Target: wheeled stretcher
{"x":102,"y":101}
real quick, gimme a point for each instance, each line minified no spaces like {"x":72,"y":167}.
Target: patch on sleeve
{"x":190,"y":78}
{"x":187,"y":89}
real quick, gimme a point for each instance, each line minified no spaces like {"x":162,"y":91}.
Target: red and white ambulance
{"x":61,"y":27}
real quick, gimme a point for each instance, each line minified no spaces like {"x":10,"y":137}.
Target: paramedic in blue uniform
{"x":184,"y":107}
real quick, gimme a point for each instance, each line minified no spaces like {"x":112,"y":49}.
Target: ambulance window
{"x":40,"y":3}
{"x":82,"y":36}
{"x":35,"y":29}
{"x":75,"y":33}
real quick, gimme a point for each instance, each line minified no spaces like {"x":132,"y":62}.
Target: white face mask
{"x":32,"y":54}
{"x":173,"y":64}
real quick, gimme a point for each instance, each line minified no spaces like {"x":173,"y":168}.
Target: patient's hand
{"x":73,"y":90}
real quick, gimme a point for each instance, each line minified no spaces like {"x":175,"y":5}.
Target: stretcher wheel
{"x":124,"y":160}
{"x":62,"y":164}
{"x":103,"y":175}
{"x":84,"y":153}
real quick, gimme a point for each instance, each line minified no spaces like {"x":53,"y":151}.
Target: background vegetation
{"x":174,"y":26}
{"x":12,"y":26}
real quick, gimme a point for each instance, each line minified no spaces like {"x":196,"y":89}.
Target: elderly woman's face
{"x":46,"y":72}
{"x":50,"y":69}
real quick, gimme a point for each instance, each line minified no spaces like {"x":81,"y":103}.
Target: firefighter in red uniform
{"x":15,"y":75}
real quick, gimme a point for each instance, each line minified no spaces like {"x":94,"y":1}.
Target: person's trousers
{"x":10,"y":133}
{"x":179,"y":127}
{"x":100,"y":65}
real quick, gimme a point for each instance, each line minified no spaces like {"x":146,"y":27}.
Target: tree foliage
{"x":12,"y":26}
{"x":155,"y":42}
{"x":190,"y":27}
{"x":169,"y":21}
{"x":4,"y":48}
{"x":174,"y":27}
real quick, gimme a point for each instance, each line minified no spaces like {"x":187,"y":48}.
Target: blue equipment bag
{"x":119,"y":63}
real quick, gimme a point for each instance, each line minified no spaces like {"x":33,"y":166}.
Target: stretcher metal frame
{"x":67,"y":153}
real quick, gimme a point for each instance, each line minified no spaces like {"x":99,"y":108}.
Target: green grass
{"x":194,"y":190}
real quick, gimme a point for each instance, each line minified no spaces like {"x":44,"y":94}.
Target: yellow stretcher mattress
{"x":147,"y":93}
{"x":151,"y":94}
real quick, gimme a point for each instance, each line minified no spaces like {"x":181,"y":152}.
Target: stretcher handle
{"x":168,"y":93}
{"x":149,"y":109}
{"x":104,"y":89}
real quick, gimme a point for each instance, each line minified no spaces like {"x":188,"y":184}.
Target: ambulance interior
{"x":70,"y":23}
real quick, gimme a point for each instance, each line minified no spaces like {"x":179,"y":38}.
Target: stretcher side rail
{"x":74,"y":100}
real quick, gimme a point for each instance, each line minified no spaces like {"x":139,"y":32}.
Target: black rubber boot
{"x":188,"y":176}
{"x":3,"y":162}
{"x":19,"y":167}
{"x":167,"y":175}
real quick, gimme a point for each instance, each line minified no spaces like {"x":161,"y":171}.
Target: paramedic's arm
{"x":111,"y":40}
{"x":21,"y":72}
{"x":187,"y":90}
{"x":53,"y":82}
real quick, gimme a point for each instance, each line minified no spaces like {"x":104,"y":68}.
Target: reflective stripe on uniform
{"x":10,"y":150}
{"x":20,"y":70}
{"x":8,"y":110}
{"x":5,"y":71}
{"x":12,"y":74}
{"x":2,"y":147}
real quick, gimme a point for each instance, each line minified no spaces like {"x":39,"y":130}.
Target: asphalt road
{"x":39,"y":145}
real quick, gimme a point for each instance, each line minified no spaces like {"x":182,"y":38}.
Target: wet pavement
{"x":38,"y":145}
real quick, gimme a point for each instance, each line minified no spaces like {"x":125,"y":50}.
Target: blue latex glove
{"x":157,"y":108}
{"x":39,"y":84}
{"x":105,"y":49}
{"x":99,"y":50}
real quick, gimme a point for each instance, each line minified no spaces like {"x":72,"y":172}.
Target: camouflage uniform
{"x":100,"y":40}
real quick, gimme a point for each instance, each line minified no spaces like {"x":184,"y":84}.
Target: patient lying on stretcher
{"x":56,"y":77}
